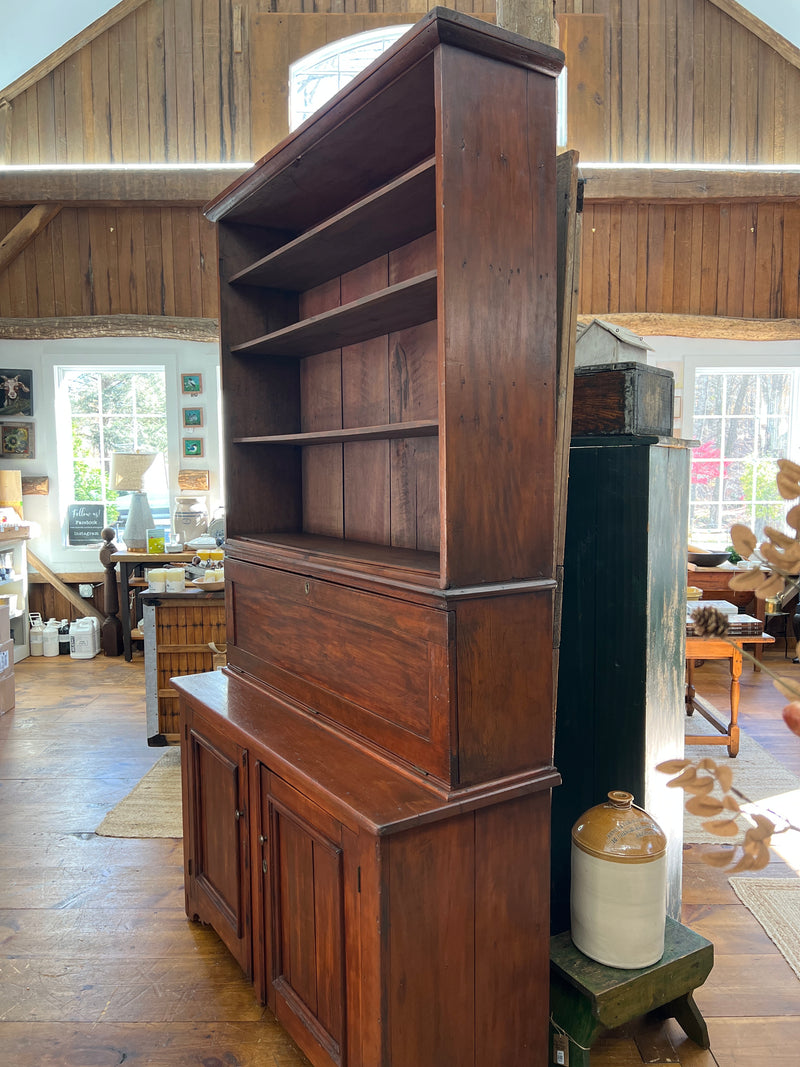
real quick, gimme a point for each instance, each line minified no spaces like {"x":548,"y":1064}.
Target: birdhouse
{"x":600,"y":343}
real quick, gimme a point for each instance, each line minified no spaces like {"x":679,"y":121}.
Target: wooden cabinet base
{"x":385,"y":924}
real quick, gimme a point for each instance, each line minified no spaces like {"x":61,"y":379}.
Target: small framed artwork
{"x":16,"y":393}
{"x":191,"y":384}
{"x":193,"y":417}
{"x":16,"y":439}
{"x":193,"y":447}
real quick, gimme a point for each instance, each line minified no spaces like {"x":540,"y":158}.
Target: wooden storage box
{"x":623,"y":398}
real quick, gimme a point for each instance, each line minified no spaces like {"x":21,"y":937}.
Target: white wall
{"x":42,"y":357}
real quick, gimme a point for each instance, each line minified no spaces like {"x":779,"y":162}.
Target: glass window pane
{"x":735,"y":513}
{"x":118,"y":435}
{"x":776,"y":392}
{"x":704,"y":518}
{"x":86,"y":437}
{"x":775,"y":438}
{"x":708,"y":394}
{"x":737,"y":480}
{"x":740,"y":437}
{"x":150,"y":393}
{"x":770,"y":515}
{"x":740,"y":394}
{"x":82,"y":392}
{"x":117,"y":392}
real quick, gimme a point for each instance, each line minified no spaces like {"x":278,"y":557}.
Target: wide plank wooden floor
{"x":99,"y":966}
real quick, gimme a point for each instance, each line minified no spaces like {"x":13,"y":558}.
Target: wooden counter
{"x":178,"y":628}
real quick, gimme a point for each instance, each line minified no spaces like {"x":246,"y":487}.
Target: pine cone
{"x":709,"y":622}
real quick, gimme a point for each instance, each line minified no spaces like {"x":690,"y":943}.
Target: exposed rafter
{"x":24,"y":232}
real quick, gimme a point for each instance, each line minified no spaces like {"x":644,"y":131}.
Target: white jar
{"x":191,"y":518}
{"x":619,"y":884}
{"x":50,"y":638}
{"x":37,"y":639}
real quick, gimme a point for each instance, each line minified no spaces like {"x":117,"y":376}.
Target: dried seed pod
{"x":782,"y":540}
{"x":793,"y":518}
{"x":744,"y":540}
{"x":747,"y":579}
{"x":708,"y":622}
{"x":771,"y":587}
{"x":788,"y":486}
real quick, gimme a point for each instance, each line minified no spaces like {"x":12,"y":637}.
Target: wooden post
{"x":111,"y":630}
{"x":532,"y":18}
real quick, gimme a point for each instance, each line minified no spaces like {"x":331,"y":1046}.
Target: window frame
{"x":108,"y":359}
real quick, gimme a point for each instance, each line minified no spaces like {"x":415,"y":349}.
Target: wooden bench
{"x":587,"y":998}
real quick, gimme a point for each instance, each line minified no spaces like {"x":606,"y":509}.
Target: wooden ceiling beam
{"x":24,"y":232}
{"x":655,"y":324}
{"x":157,"y":186}
{"x":174,"y":328}
{"x":654,"y":183}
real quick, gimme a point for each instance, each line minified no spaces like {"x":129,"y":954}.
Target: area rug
{"x":755,"y":773}
{"x":153,"y":807}
{"x":775,"y":902}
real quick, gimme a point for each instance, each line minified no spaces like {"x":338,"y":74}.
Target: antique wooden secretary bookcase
{"x":367,"y":785}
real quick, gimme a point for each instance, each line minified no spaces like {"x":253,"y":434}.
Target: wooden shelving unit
{"x":384,"y":725}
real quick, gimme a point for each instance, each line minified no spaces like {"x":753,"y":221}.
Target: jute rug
{"x":153,"y":807}
{"x":755,"y":773}
{"x":775,"y":902}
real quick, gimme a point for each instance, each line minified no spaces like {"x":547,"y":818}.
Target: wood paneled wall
{"x":113,"y":261}
{"x":725,"y":259}
{"x":683,"y":81}
{"x":206,"y":80}
{"x":184,"y":81}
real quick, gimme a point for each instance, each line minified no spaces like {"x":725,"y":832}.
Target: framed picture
{"x":193,"y":417}
{"x":16,"y":393}
{"x":192,"y":383}
{"x":193,"y":447}
{"x":17,"y":440}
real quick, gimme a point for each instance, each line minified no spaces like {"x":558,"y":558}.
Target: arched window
{"x":315,"y":78}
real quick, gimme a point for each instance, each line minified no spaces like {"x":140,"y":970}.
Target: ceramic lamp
{"x":126,"y":475}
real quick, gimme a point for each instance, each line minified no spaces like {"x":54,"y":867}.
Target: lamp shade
{"x":127,"y":470}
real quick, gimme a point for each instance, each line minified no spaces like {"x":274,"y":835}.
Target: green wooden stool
{"x":587,"y":998}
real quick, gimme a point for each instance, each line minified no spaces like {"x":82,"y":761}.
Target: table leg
{"x":733,"y":726}
{"x":690,"y":690}
{"x":125,"y":613}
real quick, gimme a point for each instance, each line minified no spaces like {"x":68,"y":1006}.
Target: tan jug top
{"x":619,"y":831}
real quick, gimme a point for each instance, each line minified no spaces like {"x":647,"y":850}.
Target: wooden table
{"x":129,"y":563}
{"x":718,"y":648}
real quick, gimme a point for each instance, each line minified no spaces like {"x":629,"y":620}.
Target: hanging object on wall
{"x":11,"y":490}
{"x":36,"y":485}
{"x":194,"y":481}
{"x":16,"y":393}
{"x":619,"y":884}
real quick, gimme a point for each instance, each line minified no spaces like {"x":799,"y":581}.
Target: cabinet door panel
{"x":304,"y":909}
{"x":217,"y":851}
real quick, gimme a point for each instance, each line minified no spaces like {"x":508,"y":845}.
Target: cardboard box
{"x":5,"y":622}
{"x":7,"y":694}
{"x":6,"y":658}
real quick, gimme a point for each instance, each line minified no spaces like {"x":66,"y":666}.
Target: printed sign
{"x":85,"y":524}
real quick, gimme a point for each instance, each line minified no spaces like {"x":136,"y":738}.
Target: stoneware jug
{"x":191,"y":518}
{"x":619,"y":884}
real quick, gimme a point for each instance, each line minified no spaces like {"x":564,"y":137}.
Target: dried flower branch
{"x":779,"y":554}
{"x":710,"y":784}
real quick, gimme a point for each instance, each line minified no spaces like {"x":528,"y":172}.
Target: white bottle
{"x":37,"y":639}
{"x":50,"y":638}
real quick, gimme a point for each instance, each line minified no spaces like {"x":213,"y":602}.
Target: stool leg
{"x":687,"y":1014}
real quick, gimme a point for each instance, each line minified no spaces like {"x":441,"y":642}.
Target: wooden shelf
{"x":392,"y":431}
{"x":393,"y":215}
{"x":397,"y":307}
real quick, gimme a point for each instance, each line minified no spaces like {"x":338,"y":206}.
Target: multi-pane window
{"x":745,"y":419}
{"x":105,"y":410}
